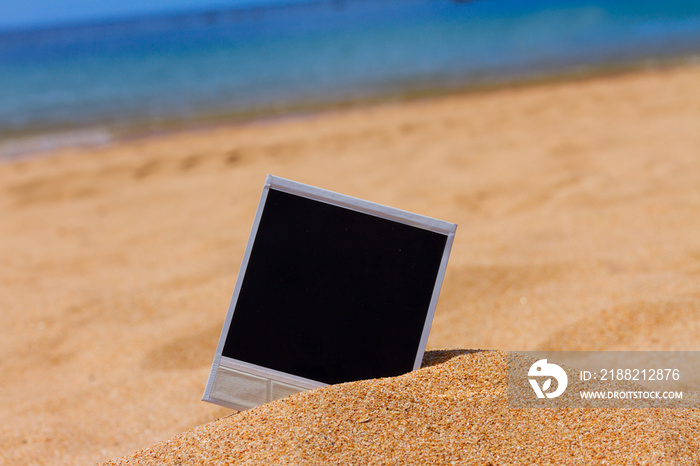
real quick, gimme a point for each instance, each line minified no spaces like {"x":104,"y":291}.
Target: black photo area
{"x":332,"y":294}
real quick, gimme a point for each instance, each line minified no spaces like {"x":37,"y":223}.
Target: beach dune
{"x":577,"y":204}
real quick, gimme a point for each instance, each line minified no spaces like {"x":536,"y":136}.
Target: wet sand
{"x":577,"y":204}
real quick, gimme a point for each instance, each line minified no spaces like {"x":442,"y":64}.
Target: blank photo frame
{"x":331,"y":289}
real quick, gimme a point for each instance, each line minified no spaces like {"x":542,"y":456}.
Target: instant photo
{"x":332,"y":289}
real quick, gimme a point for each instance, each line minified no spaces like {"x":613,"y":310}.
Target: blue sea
{"x":91,"y":83}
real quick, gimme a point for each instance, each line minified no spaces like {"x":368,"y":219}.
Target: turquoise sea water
{"x":89,"y":83}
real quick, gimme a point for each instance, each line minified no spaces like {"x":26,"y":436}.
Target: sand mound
{"x":452,"y":411}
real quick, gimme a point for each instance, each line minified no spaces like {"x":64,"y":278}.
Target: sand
{"x":453,"y":413}
{"x":578,"y":210}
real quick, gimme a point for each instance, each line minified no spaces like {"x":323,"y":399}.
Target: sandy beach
{"x":578,"y":205}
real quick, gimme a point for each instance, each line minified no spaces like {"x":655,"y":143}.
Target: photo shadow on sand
{"x":435,"y":357}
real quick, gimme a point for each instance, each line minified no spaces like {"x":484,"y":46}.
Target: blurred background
{"x":82,"y":72}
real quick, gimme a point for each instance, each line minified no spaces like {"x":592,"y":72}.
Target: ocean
{"x":91,"y":83}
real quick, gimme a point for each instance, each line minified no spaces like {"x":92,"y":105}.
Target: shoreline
{"x":30,"y":144}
